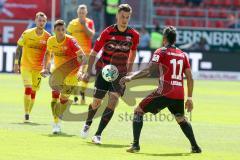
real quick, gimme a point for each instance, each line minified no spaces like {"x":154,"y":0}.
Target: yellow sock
{"x":56,"y":119}
{"x":31,"y":105}
{"x":27,"y":101}
{"x":54,"y":106}
{"x":33,"y":94}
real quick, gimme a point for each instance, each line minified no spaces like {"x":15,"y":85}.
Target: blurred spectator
{"x":111,"y":8}
{"x":232,"y":22}
{"x":202,"y":45}
{"x":71,"y":10}
{"x":144,"y":39}
{"x":156,"y":38}
{"x":97,"y":6}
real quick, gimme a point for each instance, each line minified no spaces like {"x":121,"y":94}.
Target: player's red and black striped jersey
{"x":116,"y":47}
{"x":172,"y":62}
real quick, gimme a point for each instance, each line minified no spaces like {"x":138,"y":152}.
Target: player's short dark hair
{"x":170,"y":34}
{"x":59,"y":22}
{"x":125,"y":8}
{"x":40,"y":14}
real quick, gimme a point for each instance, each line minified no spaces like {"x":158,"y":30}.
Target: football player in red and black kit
{"x":172,"y":63}
{"x":118,"y":43}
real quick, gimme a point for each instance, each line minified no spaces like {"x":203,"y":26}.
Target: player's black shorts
{"x":102,"y":86}
{"x":155,"y":102}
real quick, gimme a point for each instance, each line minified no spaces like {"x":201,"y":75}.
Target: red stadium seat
{"x":162,"y":12}
{"x":199,"y":13}
{"x":168,"y":1}
{"x":172,"y":12}
{"x":197,"y":23}
{"x":212,"y":13}
{"x":179,"y":2}
{"x":183,"y":22}
{"x":186,"y":11}
{"x":215,"y":2}
{"x":219,"y":24}
{"x":210,"y":24}
{"x":227,"y":3}
{"x":236,"y":3}
{"x":223,"y":13}
{"x":170,"y":22}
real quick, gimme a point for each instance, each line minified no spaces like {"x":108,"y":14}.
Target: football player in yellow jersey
{"x":82,"y":28}
{"x":69,"y":61}
{"x":31,"y":48}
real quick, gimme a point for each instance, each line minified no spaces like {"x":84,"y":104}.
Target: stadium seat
{"x":183,"y":22}
{"x":197,"y":23}
{"x":227,"y":3}
{"x":162,"y":12}
{"x":170,"y":22}
{"x":213,"y":13}
{"x":186,"y":11}
{"x":210,"y":24}
{"x":199,"y":13}
{"x":173,"y":11}
{"x":223,"y":13}
{"x":219,"y":24}
{"x":168,"y":1}
{"x":215,"y":2}
{"x":179,"y":2}
{"x":236,"y":3}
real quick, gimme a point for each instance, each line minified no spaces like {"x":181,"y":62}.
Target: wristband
{"x":189,"y":98}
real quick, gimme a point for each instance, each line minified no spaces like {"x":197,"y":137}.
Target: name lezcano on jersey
{"x":175,"y":54}
{"x":176,"y":83}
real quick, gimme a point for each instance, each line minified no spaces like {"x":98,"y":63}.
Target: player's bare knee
{"x":113,"y":100}
{"x":138,"y":110}
{"x":96,"y":103}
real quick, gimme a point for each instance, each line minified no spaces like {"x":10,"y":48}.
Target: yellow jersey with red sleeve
{"x":34,"y":48}
{"x":76,"y":29}
{"x":64,"y":52}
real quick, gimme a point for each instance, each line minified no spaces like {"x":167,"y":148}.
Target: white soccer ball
{"x":110,"y":73}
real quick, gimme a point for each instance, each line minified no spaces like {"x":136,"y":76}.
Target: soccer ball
{"x":110,"y":73}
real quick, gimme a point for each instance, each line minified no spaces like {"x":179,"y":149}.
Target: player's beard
{"x":40,"y":27}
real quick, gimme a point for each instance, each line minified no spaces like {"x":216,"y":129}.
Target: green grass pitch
{"x":215,"y":120}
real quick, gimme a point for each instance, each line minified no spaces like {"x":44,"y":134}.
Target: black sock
{"x":137,"y":127}
{"x":188,"y":131}
{"x":75,"y":99}
{"x":106,"y":117}
{"x":91,"y":114}
{"x":83,"y":95}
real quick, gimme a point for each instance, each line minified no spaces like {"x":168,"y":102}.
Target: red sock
{"x":33,"y":94}
{"x":55,"y":94}
{"x":28,"y":91}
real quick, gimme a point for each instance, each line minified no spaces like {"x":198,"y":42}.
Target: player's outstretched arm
{"x":17,"y":59}
{"x":139,"y":74}
{"x":190,"y":83}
